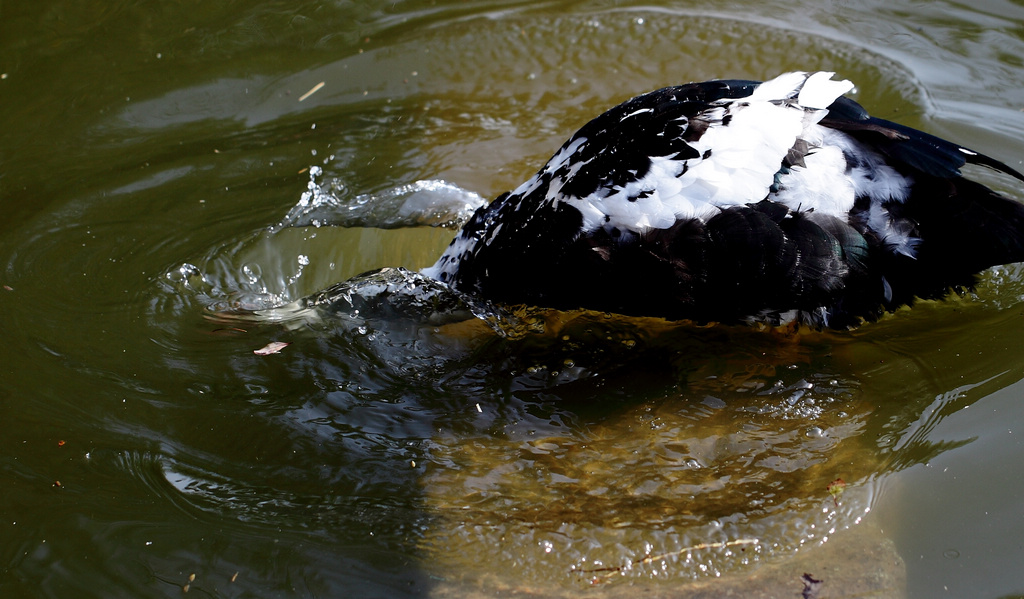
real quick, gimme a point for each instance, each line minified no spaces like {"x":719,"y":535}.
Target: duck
{"x":735,"y":201}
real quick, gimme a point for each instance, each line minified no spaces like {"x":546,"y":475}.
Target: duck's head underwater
{"x":738,"y":201}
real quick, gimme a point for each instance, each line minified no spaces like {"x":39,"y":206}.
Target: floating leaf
{"x":835,"y":489}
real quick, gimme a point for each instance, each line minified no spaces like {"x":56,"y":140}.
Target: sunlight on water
{"x":670,"y":489}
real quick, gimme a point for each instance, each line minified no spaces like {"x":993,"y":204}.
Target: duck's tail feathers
{"x":909,"y":147}
{"x":972,"y":229}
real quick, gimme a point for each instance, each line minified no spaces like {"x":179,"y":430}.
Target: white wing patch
{"x":741,"y":151}
{"x":822,"y":184}
{"x":658,"y":210}
{"x":871,"y":176}
{"x":832,"y":185}
{"x":743,"y":157}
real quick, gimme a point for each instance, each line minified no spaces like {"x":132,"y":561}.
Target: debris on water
{"x":315,"y":89}
{"x":391,"y":295}
{"x":274,"y":347}
{"x":812,"y":587}
{"x":835,"y":489}
{"x":607,"y":572}
{"x":228,"y":331}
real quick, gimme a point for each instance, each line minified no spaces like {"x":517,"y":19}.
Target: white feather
{"x":819,"y":91}
{"x":822,"y":184}
{"x":783,"y":87}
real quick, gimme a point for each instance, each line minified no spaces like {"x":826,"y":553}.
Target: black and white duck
{"x":738,"y":201}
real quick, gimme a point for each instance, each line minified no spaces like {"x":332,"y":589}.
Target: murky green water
{"x":146,"y":153}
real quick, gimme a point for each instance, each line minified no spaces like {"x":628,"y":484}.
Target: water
{"x":409,"y":442}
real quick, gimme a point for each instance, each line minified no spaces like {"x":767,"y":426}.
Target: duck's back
{"x":735,"y":201}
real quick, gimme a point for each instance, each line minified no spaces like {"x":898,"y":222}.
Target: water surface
{"x":151,"y":162}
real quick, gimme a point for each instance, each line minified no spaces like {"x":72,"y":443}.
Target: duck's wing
{"x":917,"y":150}
{"x":684,"y":152}
{"x":661,"y":191}
{"x":732,"y":200}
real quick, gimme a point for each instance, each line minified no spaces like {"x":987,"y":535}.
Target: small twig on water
{"x":610,"y":571}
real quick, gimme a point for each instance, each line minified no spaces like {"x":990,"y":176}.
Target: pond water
{"x":166,"y":170}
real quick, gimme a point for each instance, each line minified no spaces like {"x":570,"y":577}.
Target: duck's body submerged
{"x":738,"y":201}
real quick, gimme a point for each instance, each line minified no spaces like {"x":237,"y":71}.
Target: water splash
{"x":428,"y":202}
{"x":387,"y":294}
{"x":268,"y":273}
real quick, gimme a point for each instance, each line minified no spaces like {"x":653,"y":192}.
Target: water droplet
{"x":252,"y":273}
